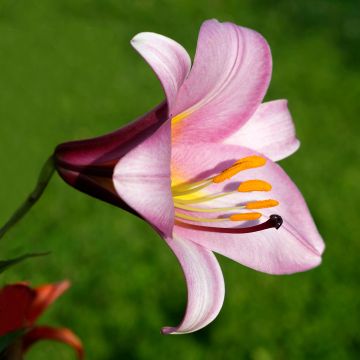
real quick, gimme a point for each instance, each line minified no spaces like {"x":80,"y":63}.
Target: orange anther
{"x":240,"y":165}
{"x":245,"y":216}
{"x":229,"y":173}
{"x":255,"y":159}
{"x":261,"y":204}
{"x":254,"y":185}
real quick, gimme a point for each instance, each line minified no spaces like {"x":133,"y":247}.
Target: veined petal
{"x":15,"y":301}
{"x":169,"y":60}
{"x":270,"y":251}
{"x":205,"y":285}
{"x":228,"y":80}
{"x":45,"y":295}
{"x":142,"y":180}
{"x":296,"y":246}
{"x":270,"y":131}
{"x":57,"y":334}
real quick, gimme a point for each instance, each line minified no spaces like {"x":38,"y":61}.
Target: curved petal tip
{"x":205,"y":286}
{"x":169,"y":60}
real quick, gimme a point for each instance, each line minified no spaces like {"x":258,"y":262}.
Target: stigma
{"x":194,"y":209}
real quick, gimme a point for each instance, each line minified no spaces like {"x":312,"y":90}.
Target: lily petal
{"x":168,"y":59}
{"x":58,"y":334}
{"x":15,"y":301}
{"x":45,"y":295}
{"x":205,"y":285}
{"x":228,"y":80}
{"x":269,"y":131}
{"x":296,"y":246}
{"x":142,"y":180}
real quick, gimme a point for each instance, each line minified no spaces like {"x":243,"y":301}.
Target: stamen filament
{"x":204,"y":198}
{"x":189,"y":185}
{"x":190,"y":190}
{"x":196,"y":209}
{"x":193,"y":218}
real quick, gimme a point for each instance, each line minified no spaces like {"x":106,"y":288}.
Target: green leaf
{"x":5,"y":264}
{"x":7,"y":339}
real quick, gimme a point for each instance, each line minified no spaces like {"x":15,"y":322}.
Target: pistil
{"x":274,"y":221}
{"x":234,"y":217}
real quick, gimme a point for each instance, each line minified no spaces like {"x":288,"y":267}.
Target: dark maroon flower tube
{"x":88,"y":165}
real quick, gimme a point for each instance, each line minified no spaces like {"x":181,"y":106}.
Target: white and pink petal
{"x":269,"y":131}
{"x":205,"y":285}
{"x":228,"y":80}
{"x":169,"y":60}
{"x":142,"y":179}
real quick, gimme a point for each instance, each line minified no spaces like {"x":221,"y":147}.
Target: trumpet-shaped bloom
{"x":20,"y":307}
{"x":200,"y":167}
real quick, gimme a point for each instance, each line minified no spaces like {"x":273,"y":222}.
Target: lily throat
{"x":194,"y":209}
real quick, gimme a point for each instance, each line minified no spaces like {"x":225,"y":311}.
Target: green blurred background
{"x":68,"y":72}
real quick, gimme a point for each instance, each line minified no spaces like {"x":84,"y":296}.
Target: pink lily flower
{"x":20,"y":307}
{"x":200,"y":168}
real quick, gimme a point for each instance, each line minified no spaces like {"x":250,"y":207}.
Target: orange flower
{"x":20,"y":307}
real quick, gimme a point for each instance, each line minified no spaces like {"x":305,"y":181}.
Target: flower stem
{"x":43,"y":180}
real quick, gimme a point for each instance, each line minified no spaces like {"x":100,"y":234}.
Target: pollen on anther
{"x":228,"y":173}
{"x":254,"y":185}
{"x":261,"y":204}
{"x":245,"y":216}
{"x":246,"y":163}
{"x":254,"y":159}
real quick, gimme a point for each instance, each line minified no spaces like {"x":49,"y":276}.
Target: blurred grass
{"x":68,"y":72}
